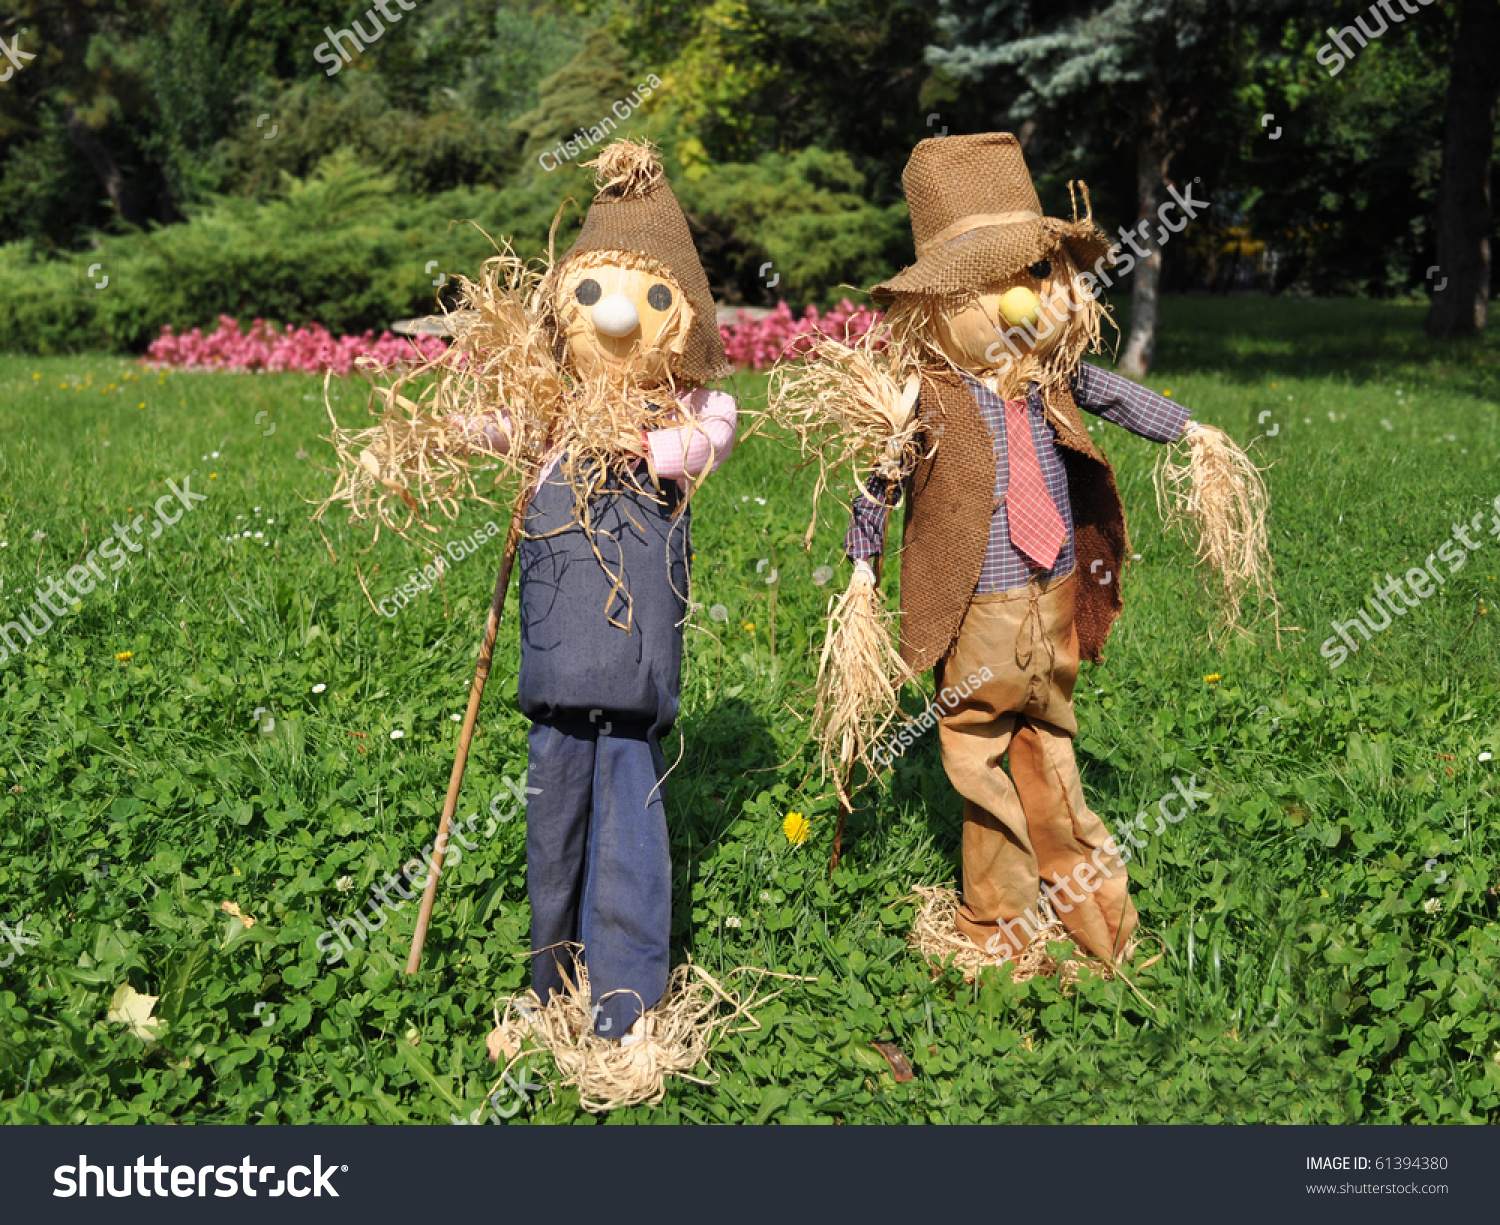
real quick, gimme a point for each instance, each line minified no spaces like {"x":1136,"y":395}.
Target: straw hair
{"x":935,"y":936}
{"x":506,"y":372}
{"x":509,"y":362}
{"x":416,"y":462}
{"x":847,"y":406}
{"x":1218,"y":496}
{"x":694,"y":1015}
{"x":859,"y":682}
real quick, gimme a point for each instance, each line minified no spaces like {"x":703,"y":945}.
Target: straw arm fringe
{"x":1217,"y":497}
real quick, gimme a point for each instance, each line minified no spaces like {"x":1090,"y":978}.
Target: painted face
{"x":1009,"y":324}
{"x":623,"y":323}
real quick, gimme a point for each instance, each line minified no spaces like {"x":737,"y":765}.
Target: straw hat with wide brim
{"x":976,"y":219}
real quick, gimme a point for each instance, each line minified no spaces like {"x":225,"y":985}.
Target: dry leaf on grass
{"x":502,"y":1041}
{"x":232,"y":908}
{"x":129,"y":1007}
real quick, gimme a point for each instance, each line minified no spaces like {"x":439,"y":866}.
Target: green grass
{"x":1301,"y":976}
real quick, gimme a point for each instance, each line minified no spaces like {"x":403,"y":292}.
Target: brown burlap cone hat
{"x":976,"y":218}
{"x":635,"y":211}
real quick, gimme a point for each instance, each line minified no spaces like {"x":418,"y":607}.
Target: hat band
{"x":975,"y":221}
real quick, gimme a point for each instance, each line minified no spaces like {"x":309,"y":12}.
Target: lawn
{"x":228,"y":719}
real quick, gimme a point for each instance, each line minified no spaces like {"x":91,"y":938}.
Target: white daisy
{"x":398,"y":734}
{"x":318,"y":688}
{"x":1485,"y":756}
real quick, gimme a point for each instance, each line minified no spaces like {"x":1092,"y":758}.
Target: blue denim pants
{"x":598,"y":867}
{"x":600,"y":698}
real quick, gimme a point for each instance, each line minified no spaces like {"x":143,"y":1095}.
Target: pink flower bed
{"x":758,"y":343}
{"x":755,"y":343}
{"x":312,"y":349}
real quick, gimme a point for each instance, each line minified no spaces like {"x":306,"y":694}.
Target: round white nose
{"x":616,"y":315}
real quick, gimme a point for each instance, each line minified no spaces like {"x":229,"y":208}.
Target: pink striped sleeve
{"x":699,"y":448}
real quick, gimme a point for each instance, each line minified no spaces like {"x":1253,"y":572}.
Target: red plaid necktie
{"x":1035,"y":526}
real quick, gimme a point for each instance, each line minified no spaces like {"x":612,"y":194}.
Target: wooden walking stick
{"x":846,"y":806}
{"x":471,"y":717}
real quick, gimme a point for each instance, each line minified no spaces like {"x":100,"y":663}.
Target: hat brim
{"x":995,"y":253}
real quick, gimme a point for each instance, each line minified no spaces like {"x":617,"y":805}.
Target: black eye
{"x":1042,"y":270}
{"x":659,"y":296}
{"x":588,"y":292}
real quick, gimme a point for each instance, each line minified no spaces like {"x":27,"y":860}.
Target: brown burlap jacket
{"x":951,"y":499}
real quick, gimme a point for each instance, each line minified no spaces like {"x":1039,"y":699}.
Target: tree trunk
{"x":122,"y":195}
{"x":1461,"y":306}
{"x":1140,"y":346}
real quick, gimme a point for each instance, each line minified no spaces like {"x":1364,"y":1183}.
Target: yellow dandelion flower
{"x":1168,"y":394}
{"x":213,"y":476}
{"x":122,"y":656}
{"x":748,"y":627}
{"x":35,"y":377}
{"x":1213,"y":678}
{"x":796,"y":828}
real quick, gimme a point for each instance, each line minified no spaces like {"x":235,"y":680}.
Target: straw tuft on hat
{"x":626,"y":170}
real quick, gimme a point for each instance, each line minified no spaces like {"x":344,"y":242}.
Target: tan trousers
{"x":1017,"y":658}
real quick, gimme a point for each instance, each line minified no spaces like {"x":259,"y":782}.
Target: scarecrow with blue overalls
{"x":584,"y":381}
{"x":966,"y":405}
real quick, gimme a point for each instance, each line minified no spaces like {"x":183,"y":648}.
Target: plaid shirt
{"x":1128,"y":405}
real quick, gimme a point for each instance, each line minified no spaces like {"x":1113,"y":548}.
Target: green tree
{"x":1464,"y":215}
{"x":1140,"y":75}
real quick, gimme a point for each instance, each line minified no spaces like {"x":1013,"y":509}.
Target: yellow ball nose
{"x":1020,"y":307}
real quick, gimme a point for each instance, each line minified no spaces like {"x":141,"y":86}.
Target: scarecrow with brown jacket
{"x":1014,"y":539}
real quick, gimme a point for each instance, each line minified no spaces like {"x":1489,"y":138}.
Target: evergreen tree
{"x":1134,"y":73}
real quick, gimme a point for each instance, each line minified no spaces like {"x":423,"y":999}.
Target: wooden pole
{"x":471,"y":718}
{"x":846,"y":806}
